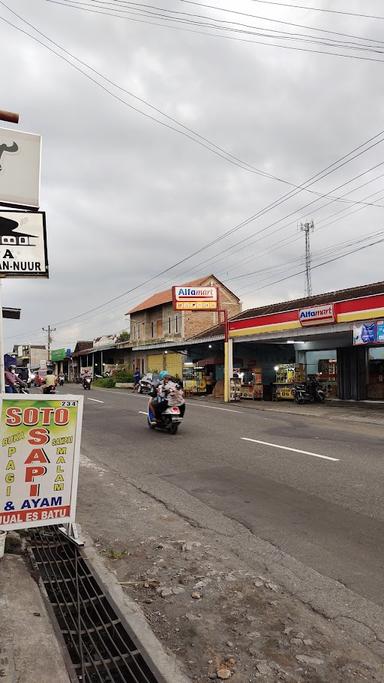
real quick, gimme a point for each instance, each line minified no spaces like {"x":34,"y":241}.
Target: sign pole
{"x":2,"y":378}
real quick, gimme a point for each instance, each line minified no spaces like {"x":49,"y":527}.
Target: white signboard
{"x":195,"y":298}
{"x":39,"y":459}
{"x":317,"y":315}
{"x":20,"y":155}
{"x":23,"y":244}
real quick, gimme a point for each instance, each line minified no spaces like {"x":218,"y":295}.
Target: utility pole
{"x":49,"y":330}
{"x":307,"y":228}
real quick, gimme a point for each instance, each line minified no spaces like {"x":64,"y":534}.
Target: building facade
{"x":155,"y":325}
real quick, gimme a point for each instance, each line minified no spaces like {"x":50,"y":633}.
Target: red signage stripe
{"x":351,"y":306}
{"x":275,"y":318}
{"x":363,"y":304}
{"x":30,"y":514}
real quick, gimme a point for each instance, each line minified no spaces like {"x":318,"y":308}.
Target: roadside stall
{"x":250,"y":383}
{"x":287,"y":376}
{"x":194,"y":381}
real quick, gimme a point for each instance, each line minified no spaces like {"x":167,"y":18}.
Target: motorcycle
{"x":87,"y":383}
{"x":309,"y":392}
{"x":168,"y":421}
{"x":146,"y":383}
{"x":22,"y":388}
{"x":51,"y":389}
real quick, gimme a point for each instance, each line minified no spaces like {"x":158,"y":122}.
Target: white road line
{"x":287,"y":448}
{"x":227,"y":410}
{"x":95,"y":399}
{"x":141,"y":412}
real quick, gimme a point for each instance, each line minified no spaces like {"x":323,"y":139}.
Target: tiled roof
{"x":165,"y":297}
{"x":317,"y":299}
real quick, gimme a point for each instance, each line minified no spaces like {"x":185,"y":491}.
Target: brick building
{"x":154,"y":323}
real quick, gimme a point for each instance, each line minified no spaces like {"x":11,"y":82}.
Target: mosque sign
{"x":23,"y":244}
{"x":20,"y":155}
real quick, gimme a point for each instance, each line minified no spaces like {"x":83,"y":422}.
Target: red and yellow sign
{"x":204,"y":298}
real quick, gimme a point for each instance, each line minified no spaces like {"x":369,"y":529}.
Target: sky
{"x":232,"y":120}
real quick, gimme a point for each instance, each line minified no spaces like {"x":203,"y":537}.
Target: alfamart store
{"x":338,"y":336}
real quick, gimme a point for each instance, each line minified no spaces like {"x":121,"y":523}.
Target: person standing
{"x":10,"y":379}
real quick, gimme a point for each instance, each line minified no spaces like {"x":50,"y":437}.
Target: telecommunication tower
{"x":307,"y":228}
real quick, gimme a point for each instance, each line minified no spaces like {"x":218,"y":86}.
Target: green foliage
{"x":105,"y":382}
{"x":123,"y":336}
{"x":123,"y":375}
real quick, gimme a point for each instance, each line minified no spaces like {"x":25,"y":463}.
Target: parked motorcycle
{"x":87,"y":383}
{"x":146,"y":383}
{"x":169,"y":420}
{"x":309,"y":392}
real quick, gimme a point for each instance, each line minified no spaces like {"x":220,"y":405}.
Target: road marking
{"x":141,"y":412}
{"x":287,"y":448}
{"x":227,"y":410}
{"x":95,"y":399}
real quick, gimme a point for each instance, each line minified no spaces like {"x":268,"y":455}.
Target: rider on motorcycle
{"x":166,"y":392}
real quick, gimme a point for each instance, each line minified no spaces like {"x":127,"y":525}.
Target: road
{"x":311,"y":487}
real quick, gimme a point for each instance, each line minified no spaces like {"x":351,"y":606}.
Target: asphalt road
{"x":310,"y":486}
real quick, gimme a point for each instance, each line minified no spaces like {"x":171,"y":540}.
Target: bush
{"x":105,"y":382}
{"x":123,"y":376}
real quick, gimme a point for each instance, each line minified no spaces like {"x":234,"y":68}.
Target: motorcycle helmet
{"x":163,"y":374}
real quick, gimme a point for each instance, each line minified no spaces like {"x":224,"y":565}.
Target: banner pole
{"x":2,"y":378}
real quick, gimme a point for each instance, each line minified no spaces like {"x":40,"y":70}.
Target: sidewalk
{"x":333,"y":409}
{"x":29,"y":650}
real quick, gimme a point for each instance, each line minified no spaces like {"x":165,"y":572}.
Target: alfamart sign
{"x":195,"y":298}
{"x":317,"y":315}
{"x":39,"y":460}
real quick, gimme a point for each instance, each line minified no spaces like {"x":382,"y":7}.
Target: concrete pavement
{"x":29,"y":650}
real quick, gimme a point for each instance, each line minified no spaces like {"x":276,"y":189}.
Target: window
{"x":177,"y":324}
{"x":138,"y":330}
{"x":169,"y":325}
{"x":152,"y":329}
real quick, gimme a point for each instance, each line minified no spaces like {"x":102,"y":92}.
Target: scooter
{"x":169,"y":420}
{"x":310,"y":392}
{"x":144,"y":386}
{"x":87,"y":383}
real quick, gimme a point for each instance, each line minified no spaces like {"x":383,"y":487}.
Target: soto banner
{"x":39,"y":460}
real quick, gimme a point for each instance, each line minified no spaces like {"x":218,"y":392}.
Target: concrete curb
{"x":167,"y":664}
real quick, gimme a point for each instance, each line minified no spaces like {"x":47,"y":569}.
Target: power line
{"x":319,"y":265}
{"x":231,"y":157}
{"x":281,"y":21}
{"x":319,"y":9}
{"x":143,"y":9}
{"x":80,"y":6}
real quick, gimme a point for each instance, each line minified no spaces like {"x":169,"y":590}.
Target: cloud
{"x":126,"y":198}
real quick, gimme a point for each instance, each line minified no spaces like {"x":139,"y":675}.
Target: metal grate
{"x":99,"y":642}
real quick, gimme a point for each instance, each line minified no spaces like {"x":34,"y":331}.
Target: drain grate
{"x":100,"y":643}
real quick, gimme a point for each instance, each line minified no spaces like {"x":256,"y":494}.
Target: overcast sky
{"x":127,"y":198}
